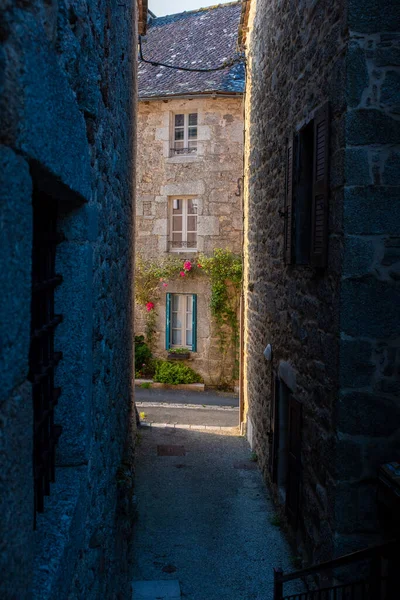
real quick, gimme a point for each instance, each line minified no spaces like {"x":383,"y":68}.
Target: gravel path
{"x":204,"y":518}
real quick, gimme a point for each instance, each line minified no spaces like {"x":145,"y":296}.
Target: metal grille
{"x":183,"y":245}
{"x":180,"y":151}
{"x":43,"y":359}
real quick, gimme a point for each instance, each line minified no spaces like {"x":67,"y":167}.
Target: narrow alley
{"x":206,"y":527}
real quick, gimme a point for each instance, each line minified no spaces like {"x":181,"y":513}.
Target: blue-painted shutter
{"x":194,"y":324}
{"x":168,"y":323}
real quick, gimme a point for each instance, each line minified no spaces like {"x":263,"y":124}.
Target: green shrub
{"x":142,"y":355}
{"x":175,"y":373}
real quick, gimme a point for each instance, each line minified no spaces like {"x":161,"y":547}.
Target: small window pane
{"x":192,"y":207}
{"x":192,"y":239}
{"x":177,"y":223}
{"x":177,"y":237}
{"x":192,"y":146}
{"x":179,"y":134}
{"x":175,"y":302}
{"x":177,"y":206}
{"x":189,"y":302}
{"x":189,"y":338}
{"x":180,"y":120}
{"x":193,"y":119}
{"x":192,"y":223}
{"x":176,"y":337}
{"x":192,"y":133}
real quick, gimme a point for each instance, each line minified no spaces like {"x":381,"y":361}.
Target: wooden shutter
{"x":319,"y":215}
{"x":273,"y":438}
{"x":288,"y":232}
{"x":194,"y":323}
{"x":168,"y":322}
{"x":293,"y":478}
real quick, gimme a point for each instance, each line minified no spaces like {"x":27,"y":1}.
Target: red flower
{"x":200,"y":267}
{"x":182,"y":273}
{"x":149,"y":306}
{"x":165,"y":284}
{"x":187,"y":265}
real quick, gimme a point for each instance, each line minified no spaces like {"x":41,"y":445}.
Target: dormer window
{"x":184,"y":134}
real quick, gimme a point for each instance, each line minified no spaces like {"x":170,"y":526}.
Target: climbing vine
{"x":224,"y":270}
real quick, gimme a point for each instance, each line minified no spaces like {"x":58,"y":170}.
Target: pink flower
{"x":165,"y":284}
{"x":161,"y":278}
{"x":149,"y":306}
{"x":187,"y":265}
{"x":182,"y":273}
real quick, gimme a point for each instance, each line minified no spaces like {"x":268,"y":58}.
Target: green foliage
{"x":142,"y":353}
{"x":146,"y":385}
{"x":178,"y":350}
{"x":254,"y":457}
{"x":175,"y":373}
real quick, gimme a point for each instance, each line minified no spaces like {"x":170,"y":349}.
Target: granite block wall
{"x":334,"y":334}
{"x":368,"y":411}
{"x":67,"y":128}
{"x":297,"y":62}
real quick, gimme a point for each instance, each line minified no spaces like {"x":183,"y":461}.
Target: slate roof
{"x":202,"y":38}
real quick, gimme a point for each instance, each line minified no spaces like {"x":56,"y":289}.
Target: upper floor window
{"x":307,"y":192}
{"x":184,"y":134}
{"x":183,"y":223}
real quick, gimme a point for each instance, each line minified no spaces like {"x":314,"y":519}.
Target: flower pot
{"x":178,"y":355}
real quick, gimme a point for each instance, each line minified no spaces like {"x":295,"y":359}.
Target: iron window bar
{"x":43,"y":359}
{"x":181,"y":151}
{"x":181,"y":245}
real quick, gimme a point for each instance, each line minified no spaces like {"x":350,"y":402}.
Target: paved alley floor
{"x":204,"y":529}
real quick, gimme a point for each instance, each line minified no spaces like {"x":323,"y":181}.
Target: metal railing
{"x":190,"y":246}
{"x":378,"y":584}
{"x":182,"y":151}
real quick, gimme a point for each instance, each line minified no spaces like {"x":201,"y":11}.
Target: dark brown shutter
{"x":288,"y":243}
{"x":319,"y":215}
{"x":294,"y":461}
{"x":274,"y":429}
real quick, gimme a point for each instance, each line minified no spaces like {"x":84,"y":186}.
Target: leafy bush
{"x":175,"y":373}
{"x":142,"y":355}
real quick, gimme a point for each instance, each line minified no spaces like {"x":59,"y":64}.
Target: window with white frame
{"x":184,"y":138}
{"x":181,"y":321}
{"x":183,"y":223}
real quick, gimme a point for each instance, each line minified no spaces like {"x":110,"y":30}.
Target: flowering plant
{"x":149,"y":306}
{"x":187,"y":265}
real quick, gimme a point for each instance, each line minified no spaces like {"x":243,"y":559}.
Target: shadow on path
{"x":204,"y":518}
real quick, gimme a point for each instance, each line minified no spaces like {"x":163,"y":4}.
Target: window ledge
{"x":183,"y":158}
{"x":59,"y":529}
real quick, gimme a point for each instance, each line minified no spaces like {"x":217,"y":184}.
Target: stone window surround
{"x":165,"y":133}
{"x":185,"y":198}
{"x":64,"y":509}
{"x":186,"y":126}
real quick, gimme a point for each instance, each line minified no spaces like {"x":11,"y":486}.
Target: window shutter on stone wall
{"x":168,"y":322}
{"x":294,"y":461}
{"x":194,"y":324}
{"x":319,"y":216}
{"x":288,"y":233}
{"x":274,"y":429}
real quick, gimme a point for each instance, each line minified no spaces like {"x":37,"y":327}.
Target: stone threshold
{"x":194,"y":387}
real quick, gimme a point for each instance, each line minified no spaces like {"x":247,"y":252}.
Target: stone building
{"x":190,"y":161}
{"x":67,"y":133}
{"x":322,"y":252}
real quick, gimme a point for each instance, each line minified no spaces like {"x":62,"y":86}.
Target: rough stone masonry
{"x":67,"y":133}
{"x":334,"y":333}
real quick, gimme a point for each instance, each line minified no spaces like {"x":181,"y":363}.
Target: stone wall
{"x":334,"y":335}
{"x":299,"y":56}
{"x":67,"y":123}
{"x":211,"y":176}
{"x":368,"y":415}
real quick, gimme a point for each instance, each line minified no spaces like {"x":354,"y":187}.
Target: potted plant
{"x":178,"y":354}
